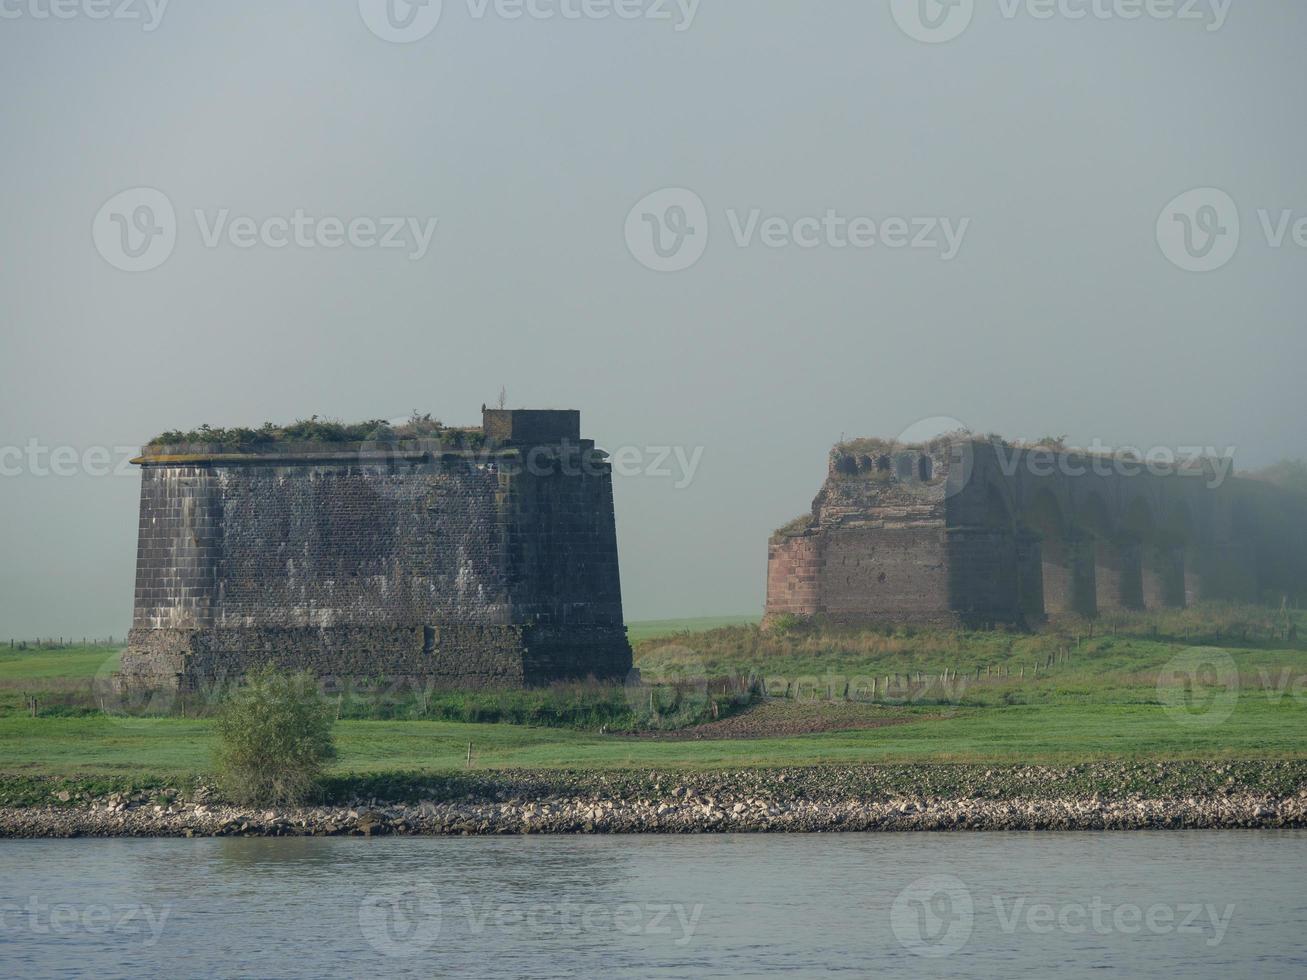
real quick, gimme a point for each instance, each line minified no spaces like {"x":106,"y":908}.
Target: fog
{"x":728,"y":235}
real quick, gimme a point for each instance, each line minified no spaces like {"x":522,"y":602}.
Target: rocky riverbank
{"x":1103,"y":796}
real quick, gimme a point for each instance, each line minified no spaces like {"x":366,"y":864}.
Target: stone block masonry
{"x":976,"y":532}
{"x":487,"y":567}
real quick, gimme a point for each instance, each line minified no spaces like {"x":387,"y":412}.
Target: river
{"x":1165,"y":904}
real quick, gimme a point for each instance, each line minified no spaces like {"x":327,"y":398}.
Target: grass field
{"x":1026,"y":734}
{"x":1082,"y":697}
{"x":653,"y":628}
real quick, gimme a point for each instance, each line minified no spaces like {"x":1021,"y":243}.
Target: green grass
{"x":653,"y":628}
{"x":73,"y":662}
{"x":1259,"y":729}
{"x":1097,"y":700}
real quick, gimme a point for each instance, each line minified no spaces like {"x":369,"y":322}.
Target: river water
{"x":1199,"y":904}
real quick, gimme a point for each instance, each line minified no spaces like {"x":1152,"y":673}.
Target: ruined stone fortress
{"x":471,"y":567}
{"x":488,"y":558}
{"x":969,"y":531}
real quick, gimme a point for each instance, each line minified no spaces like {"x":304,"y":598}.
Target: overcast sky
{"x":977,"y":225}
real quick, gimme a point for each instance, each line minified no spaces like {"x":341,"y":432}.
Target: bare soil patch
{"x":777,"y":717}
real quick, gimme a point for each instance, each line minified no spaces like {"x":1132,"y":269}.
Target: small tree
{"x":274,"y":738}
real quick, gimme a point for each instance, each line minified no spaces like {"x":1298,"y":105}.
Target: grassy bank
{"x":1073,"y":693}
{"x":1258,"y":729}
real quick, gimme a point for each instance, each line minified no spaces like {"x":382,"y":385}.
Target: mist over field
{"x":729,"y":236}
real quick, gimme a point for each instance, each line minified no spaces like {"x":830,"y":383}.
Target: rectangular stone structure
{"x":493,"y":566}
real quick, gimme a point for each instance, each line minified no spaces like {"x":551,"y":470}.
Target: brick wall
{"x":473,"y":569}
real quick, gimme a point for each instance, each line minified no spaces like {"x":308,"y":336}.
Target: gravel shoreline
{"x":1179,"y":796}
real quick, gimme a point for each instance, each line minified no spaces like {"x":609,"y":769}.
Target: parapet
{"x":531,"y":427}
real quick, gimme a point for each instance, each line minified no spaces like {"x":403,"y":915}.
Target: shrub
{"x":274,"y":738}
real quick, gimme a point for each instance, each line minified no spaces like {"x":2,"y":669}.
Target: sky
{"x":729,"y":232}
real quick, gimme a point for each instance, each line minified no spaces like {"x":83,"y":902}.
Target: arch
{"x":925,"y":469}
{"x":1048,"y":525}
{"x":1178,"y":535}
{"x":1098,"y":578}
{"x":1161,"y":568}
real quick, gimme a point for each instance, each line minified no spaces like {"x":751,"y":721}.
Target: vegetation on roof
{"x":315,"y":429}
{"x":797,"y":526}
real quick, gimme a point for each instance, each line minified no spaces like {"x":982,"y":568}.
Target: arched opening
{"x":1000,"y":581}
{"x":1098,"y":579}
{"x":1176,"y":536}
{"x":1045,"y":520}
{"x":925,"y":469}
{"x":1161,"y":575}
{"x":1238,"y":566}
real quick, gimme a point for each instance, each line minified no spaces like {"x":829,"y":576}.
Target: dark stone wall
{"x":968,"y":531}
{"x":473,"y":569}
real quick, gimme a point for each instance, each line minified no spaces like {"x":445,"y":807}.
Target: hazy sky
{"x":1049,"y":146}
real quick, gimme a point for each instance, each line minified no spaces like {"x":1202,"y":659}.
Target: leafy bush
{"x":274,"y":738}
{"x":315,"y":429}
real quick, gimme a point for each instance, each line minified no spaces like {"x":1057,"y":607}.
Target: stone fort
{"x":488,"y":560}
{"x":970,"y":531}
